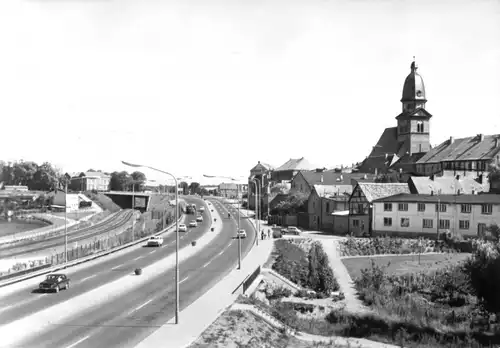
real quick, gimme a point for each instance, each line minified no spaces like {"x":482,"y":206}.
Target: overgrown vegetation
{"x":309,"y":270}
{"x":294,"y":203}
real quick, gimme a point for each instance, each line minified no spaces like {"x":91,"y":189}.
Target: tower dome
{"x":413,"y":89}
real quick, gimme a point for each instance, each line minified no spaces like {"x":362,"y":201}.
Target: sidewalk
{"x":206,"y":309}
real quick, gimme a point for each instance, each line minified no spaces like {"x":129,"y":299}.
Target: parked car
{"x":54,"y":282}
{"x":155,"y":241}
{"x":241,"y":234}
{"x":202,"y":209}
{"x":290,"y":230}
{"x":199,"y":218}
{"x":193,"y":223}
{"x":182,"y":228}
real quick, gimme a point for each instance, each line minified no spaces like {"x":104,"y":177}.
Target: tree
{"x":118,"y":181}
{"x":194,"y":187}
{"x":494,"y":173}
{"x":138,"y":180}
{"x":46,"y":178}
{"x":294,"y":203}
{"x":184,"y":186}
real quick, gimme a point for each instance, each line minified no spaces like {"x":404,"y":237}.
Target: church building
{"x":400,"y":147}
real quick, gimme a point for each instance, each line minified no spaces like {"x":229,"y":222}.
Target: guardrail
{"x":84,"y":259}
{"x":249,"y":280}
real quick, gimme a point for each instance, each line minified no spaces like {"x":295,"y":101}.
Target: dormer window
{"x":420,"y":127}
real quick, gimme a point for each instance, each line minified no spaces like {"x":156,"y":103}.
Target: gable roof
{"x":296,"y":164}
{"x":373,"y":191}
{"x":387,"y":143}
{"x":445,"y":185}
{"x":415,"y":114}
{"x":463,"y":149}
{"x":332,"y":178}
{"x":259,"y":165}
{"x":332,"y":190}
{"x":450,"y":199}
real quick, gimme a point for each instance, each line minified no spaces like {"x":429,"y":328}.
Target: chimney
{"x":321,"y":177}
{"x":481,"y":137}
{"x":451,"y":140}
{"x":432,"y":192}
{"x":365,"y":176}
{"x":473,"y":192}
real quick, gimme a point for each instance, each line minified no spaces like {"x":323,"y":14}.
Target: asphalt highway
{"x":125,"y":320}
{"x":77,"y":236}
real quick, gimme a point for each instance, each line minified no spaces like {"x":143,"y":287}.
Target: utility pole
{"x":238,"y":234}
{"x":65,"y":221}
{"x":133,"y":210}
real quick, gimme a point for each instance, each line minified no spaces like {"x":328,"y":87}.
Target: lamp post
{"x":257,"y":204}
{"x":176,"y":233}
{"x":238,"y":229}
{"x":66,"y":222}
{"x":438,"y":208}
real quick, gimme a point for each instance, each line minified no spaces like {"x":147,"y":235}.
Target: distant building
{"x":343,"y":182}
{"x":445,"y":185}
{"x":262,"y":173}
{"x":87,"y":181}
{"x":290,"y":168}
{"x":417,"y":215}
{"x":61,"y":201}
{"x":322,"y":202}
{"x":465,"y":157}
{"x":232,"y":190}
{"x":400,"y":147}
{"x":19,"y":188}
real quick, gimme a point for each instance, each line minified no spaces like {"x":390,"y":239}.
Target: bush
{"x":277,"y":234}
{"x":320,"y":278}
{"x":291,"y":262}
{"x":277,"y":292}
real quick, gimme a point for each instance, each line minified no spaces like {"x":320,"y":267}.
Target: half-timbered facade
{"x":360,"y":203}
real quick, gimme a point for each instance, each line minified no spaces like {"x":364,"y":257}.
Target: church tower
{"x":414,"y":122}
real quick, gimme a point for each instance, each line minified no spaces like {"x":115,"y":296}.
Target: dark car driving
{"x":54,"y":282}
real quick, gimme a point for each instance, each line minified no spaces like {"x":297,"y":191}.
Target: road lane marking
{"x":139,"y":307}
{"x":138,"y":257}
{"x":78,"y":342}
{"x":183,"y":280}
{"x":205,"y":265}
{"x":152,"y":251}
{"x":6,"y":307}
{"x":84,"y":279}
{"x":116,"y":267}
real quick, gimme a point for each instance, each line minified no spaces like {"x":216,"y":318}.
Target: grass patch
{"x":18,"y":226}
{"x":103,"y":201}
{"x":398,"y":265}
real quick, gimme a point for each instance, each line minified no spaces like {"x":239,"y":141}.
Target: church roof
{"x":480,"y":147}
{"x":296,"y":164}
{"x":413,"y":88}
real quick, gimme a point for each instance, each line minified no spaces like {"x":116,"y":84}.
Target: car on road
{"x":199,"y":218}
{"x":193,"y":223}
{"x":182,"y":228}
{"x":241,"y":234}
{"x":54,"y":282}
{"x":155,"y":241}
{"x":202,"y":209}
{"x":290,"y":230}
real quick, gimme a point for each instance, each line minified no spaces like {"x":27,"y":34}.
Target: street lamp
{"x":238,"y":229}
{"x":438,"y":208}
{"x":257,"y":205}
{"x":176,"y":234}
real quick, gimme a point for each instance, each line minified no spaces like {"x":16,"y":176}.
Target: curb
{"x":85,"y":259}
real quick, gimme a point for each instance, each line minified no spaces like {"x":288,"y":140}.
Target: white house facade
{"x":418,"y":215}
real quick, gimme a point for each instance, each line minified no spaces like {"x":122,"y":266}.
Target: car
{"x":290,"y":230}
{"x":241,"y":234}
{"x":199,"y":218}
{"x":182,"y":228}
{"x":155,"y":241}
{"x":193,"y":223}
{"x":54,"y":282}
{"x":202,"y":209}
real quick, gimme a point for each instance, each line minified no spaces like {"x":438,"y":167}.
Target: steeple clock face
{"x":419,"y":93}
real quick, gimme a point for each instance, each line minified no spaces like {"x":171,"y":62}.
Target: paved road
{"x":48,"y":245}
{"x":125,"y":320}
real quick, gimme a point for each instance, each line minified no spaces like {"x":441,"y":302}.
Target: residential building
{"x":86,"y":181}
{"x":322,"y":202}
{"x":465,"y":157}
{"x":445,"y":185}
{"x":400,"y":147}
{"x":412,"y":214}
{"x":261,"y":172}
{"x":290,"y":168}
{"x":232,"y":190}
{"x":61,"y":201}
{"x":344,"y":182}
{"x":360,"y":203}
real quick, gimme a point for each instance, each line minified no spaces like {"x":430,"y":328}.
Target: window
{"x":427,"y":223}
{"x":403,"y":206}
{"x":387,"y":206}
{"x":300,"y":187}
{"x":420,"y":127}
{"x":355,"y":223}
{"x":464,"y":224}
{"x":486,"y":208}
{"x":361,"y":209}
{"x":421,"y":207}
{"x":444,"y":224}
{"x":405,"y":222}
{"x":327,"y":207}
{"x":314,"y":206}
{"x":442,"y":208}
{"x":465,"y":208}
{"x":387,"y":221}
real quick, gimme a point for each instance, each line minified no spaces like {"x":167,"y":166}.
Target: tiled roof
{"x":446,"y":185}
{"x":332,"y":190}
{"x":296,"y":164}
{"x":459,"y":199}
{"x":332,"y":178}
{"x":375,"y":191}
{"x":464,"y":149}
{"x":265,"y":165}
{"x":94,"y":174}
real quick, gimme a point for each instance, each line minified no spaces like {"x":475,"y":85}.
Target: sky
{"x":213,"y":87}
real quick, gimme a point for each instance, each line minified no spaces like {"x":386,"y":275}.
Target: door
{"x":481,"y":230}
